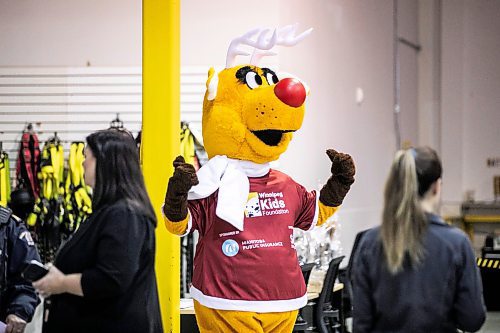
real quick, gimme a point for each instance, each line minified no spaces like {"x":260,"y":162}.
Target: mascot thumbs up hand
{"x":336,"y":188}
{"x":175,"y":207}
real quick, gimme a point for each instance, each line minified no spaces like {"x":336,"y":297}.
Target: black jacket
{"x":17,"y":296}
{"x":441,"y":294}
{"x":115,"y":252}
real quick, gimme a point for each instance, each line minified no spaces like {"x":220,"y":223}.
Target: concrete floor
{"x":492,"y":324}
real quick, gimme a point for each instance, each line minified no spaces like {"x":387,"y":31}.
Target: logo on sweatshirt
{"x":252,"y":208}
{"x":230,"y":248}
{"x":265,"y":204}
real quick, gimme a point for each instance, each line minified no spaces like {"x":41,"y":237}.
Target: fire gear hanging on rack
{"x":4,"y":179}
{"x":191,"y":148}
{"x":187,"y":144}
{"x":78,"y":204}
{"x":48,"y":211}
{"x":28,"y":162}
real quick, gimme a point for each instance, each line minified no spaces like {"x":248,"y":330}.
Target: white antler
{"x":285,"y":36}
{"x":261,"y":43}
{"x":259,"y":54}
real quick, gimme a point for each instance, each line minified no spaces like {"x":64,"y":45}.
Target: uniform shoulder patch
{"x":17,"y":218}
{"x":26,"y":236}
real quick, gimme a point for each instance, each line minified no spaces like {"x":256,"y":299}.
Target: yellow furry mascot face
{"x":248,"y":112}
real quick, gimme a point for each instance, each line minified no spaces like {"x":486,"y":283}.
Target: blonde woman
{"x":415,"y":273}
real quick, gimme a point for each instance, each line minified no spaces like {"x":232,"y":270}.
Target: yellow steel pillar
{"x":161,"y":137}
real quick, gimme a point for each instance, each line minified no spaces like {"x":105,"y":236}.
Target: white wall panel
{"x":77,"y":101}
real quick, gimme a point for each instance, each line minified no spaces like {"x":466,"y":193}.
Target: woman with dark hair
{"x":415,"y":273}
{"x":103,"y":278}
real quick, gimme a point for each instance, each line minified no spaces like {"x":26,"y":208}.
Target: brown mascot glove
{"x":336,"y":188}
{"x":176,"y":198}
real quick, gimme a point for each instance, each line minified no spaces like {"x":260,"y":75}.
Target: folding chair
{"x":301,"y":325}
{"x":326,"y":317}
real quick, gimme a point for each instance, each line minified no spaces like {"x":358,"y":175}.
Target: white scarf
{"x":230,"y":176}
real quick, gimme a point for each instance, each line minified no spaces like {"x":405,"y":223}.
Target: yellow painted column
{"x":161,"y":137}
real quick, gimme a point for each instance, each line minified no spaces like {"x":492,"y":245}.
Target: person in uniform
{"x":18,"y":298}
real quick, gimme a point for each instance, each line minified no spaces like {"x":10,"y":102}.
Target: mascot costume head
{"x":246,"y":273}
{"x":249,"y":113}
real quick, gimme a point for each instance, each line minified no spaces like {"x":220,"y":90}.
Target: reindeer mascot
{"x":246,"y":274}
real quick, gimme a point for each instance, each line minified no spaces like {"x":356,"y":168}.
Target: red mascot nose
{"x":291,"y":92}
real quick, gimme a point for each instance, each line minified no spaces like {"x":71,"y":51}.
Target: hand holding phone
{"x":34,"y":271}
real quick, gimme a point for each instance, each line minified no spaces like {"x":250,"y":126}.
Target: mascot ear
{"x":212,"y":82}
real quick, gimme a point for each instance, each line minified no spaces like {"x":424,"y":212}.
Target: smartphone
{"x":34,"y":270}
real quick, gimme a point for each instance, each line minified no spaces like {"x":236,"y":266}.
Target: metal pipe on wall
{"x":396,"y":76}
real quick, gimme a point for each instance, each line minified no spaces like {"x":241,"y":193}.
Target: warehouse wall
{"x":471,"y":97}
{"x":71,"y":33}
{"x":350,"y":48}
